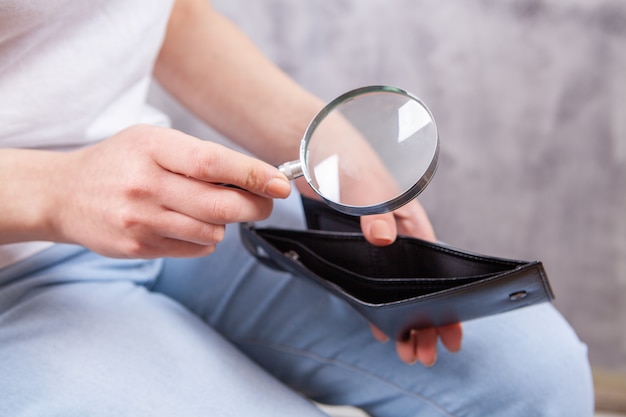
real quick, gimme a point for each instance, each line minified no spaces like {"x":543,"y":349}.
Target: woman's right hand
{"x":150,"y":192}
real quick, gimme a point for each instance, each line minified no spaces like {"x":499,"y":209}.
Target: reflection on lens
{"x":327,"y":177}
{"x":412,"y":117}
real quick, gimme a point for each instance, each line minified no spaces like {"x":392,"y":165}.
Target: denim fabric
{"x":223,"y":335}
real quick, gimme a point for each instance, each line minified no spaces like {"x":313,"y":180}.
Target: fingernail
{"x":381,"y":231}
{"x":430,"y":363}
{"x":278,"y":188}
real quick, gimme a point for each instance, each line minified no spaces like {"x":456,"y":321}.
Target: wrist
{"x":30,"y":194}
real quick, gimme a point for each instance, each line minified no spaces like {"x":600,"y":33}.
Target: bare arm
{"x":27,"y":193}
{"x":212,"y":68}
{"x":149,"y":192}
{"x":215,"y":70}
{"x":102,"y":196}
{"x":145,"y":192}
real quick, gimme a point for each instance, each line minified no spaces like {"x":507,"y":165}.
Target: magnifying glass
{"x":369,"y":151}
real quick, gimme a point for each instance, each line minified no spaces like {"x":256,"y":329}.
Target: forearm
{"x":214,"y":70}
{"x":27,"y":194}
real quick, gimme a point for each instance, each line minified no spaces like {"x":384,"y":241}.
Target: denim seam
{"x":334,"y":362}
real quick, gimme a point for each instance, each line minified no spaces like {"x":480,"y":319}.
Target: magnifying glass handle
{"x":291,"y":169}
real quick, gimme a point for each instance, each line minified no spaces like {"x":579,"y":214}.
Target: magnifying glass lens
{"x":370,"y":150}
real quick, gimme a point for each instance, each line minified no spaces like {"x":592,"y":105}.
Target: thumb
{"x":379,"y":229}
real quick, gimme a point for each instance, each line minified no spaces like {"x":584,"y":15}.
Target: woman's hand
{"x":411,"y":220}
{"x":151,"y":192}
{"x":420,"y":345}
{"x":382,"y":229}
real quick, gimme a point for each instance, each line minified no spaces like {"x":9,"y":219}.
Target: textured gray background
{"x":530,"y":99}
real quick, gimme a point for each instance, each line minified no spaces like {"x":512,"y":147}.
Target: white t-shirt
{"x":73,"y":73}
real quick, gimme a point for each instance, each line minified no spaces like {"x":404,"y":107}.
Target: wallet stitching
{"x":425,"y":282}
{"x":531,"y":271}
{"x":511,"y":275}
{"x":352,"y":279}
{"x":320,"y":235}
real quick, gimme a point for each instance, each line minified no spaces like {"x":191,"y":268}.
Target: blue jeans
{"x":83,"y":335}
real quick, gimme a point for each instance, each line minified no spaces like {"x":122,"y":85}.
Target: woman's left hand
{"x":420,"y":345}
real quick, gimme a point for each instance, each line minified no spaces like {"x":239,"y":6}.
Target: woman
{"x":122,"y":291}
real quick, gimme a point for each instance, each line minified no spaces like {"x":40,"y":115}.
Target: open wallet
{"x":409,"y":284}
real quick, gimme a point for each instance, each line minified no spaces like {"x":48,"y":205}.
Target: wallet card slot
{"x":405,"y":258}
{"x":374,"y":290}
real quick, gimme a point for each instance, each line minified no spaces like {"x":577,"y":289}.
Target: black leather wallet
{"x":409,"y":284}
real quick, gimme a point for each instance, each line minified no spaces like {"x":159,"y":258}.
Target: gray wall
{"x":530,"y":99}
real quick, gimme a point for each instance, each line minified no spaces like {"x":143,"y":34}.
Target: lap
{"x":520,"y":363}
{"x":88,"y":337}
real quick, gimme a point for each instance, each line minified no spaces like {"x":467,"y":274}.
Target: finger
{"x":163,"y":232}
{"x":213,"y":163}
{"x":426,"y":346}
{"x":451,"y":336}
{"x":407,"y":348}
{"x":379,"y":229}
{"x":378,"y":334}
{"x":173,"y":248}
{"x":412,"y":220}
{"x":159,"y":247}
{"x":211,"y":203}
{"x":175,"y":226}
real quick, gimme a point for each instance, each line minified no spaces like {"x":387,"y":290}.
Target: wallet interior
{"x":407,"y":269}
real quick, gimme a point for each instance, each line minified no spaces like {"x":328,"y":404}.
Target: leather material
{"x":409,"y":284}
